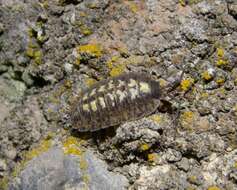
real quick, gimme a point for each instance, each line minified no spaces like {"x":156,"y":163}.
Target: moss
{"x":94,"y":50}
{"x":186,"y":84}
{"x":72,"y":146}
{"x":4,"y":183}
{"x":90,"y":82}
{"x":144,"y":147}
{"x":213,"y":188}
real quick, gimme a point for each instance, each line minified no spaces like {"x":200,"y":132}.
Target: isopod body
{"x":116,"y":100}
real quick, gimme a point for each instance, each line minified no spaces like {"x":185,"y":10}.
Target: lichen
{"x":132,"y":6}
{"x":4,"y":183}
{"x":187,"y":119}
{"x":94,"y":50}
{"x":90,"y":82}
{"x":153,"y":158}
{"x":156,"y":118}
{"x":213,"y":188}
{"x":117,"y":64}
{"x":206,"y":76}
{"x":117,"y":70}
{"x":85,"y":30}
{"x":192,"y":179}
{"x":186,"y":84}
{"x":220,"y":81}
{"x":72,"y":146}
{"x":144,"y":147}
{"x":43,"y":146}
{"x":235,"y":165}
{"x":221,"y":61}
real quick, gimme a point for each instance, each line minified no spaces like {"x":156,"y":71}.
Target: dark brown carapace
{"x":116,"y":100}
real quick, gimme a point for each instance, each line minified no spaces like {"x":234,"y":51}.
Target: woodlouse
{"x":116,"y":100}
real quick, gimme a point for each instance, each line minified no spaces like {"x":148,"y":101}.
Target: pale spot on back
{"x":112,"y":98}
{"x":85,"y":97}
{"x":132,"y":83}
{"x":144,"y":87}
{"x":121,"y":95}
{"x":85,"y":107}
{"x":134,"y":92}
{"x":110,"y":85}
{"x":102,"y":102}
{"x":93,"y":105}
{"x":102,"y":88}
{"x":121,"y":83}
{"x":93,"y":92}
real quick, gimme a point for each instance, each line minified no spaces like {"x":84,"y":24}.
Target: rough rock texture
{"x":51,"y":50}
{"x":55,"y":170}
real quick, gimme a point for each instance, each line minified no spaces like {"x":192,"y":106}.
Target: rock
{"x":55,"y":170}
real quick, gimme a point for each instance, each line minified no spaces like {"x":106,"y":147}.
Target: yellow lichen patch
{"x":221,"y":61}
{"x":235,"y":164}
{"x":132,"y":6}
{"x":85,"y":30}
{"x":42,"y":147}
{"x":4,"y":183}
{"x":117,"y":70}
{"x":220,"y":81}
{"x":213,"y":188}
{"x":72,"y":146}
{"x":235,"y":108}
{"x":220,"y":52}
{"x":204,"y":95}
{"x":94,"y":50}
{"x":153,"y":157}
{"x":187,"y":119}
{"x":192,"y":179}
{"x":162,"y":82}
{"x":144,"y":147}
{"x":156,"y":118}
{"x":90,"y":82}
{"x":117,"y":65}
{"x":206,"y":76}
{"x":182,"y":2}
{"x":186,"y":84}
{"x":36,"y":55}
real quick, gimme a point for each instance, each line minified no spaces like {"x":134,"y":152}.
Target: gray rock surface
{"x":53,"y":170}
